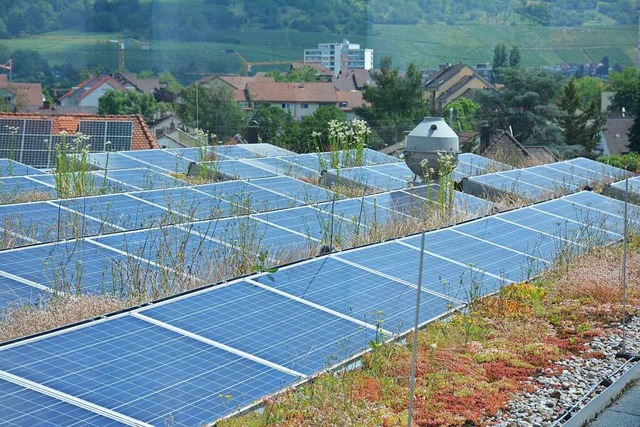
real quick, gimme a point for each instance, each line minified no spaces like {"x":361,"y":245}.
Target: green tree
{"x":589,"y":90}
{"x":300,"y":74}
{"x":527,"y":103}
{"x":300,"y":138}
{"x":514,"y":57}
{"x":214,"y":110}
{"x":579,"y":126}
{"x":625,"y":85}
{"x":634,"y":131}
{"x":464,"y":114}
{"x":500,"y":60}
{"x":129,"y":102}
{"x":275,"y":124}
{"x":395,"y":103}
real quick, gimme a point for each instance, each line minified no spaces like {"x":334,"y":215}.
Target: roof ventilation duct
{"x":426,"y":141}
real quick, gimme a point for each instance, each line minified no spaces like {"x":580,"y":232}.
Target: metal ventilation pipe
{"x":426,"y":141}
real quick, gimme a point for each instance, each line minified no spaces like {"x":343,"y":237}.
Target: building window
{"x":285,"y":105}
{"x":344,"y":104}
{"x":304,"y":105}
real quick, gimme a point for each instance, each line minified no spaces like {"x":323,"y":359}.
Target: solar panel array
{"x":619,"y":190}
{"x":201,"y":356}
{"x":545,"y":181}
{"x":27,"y":141}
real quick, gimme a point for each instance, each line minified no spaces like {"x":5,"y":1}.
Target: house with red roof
{"x":87,"y":93}
{"x":19,"y":96}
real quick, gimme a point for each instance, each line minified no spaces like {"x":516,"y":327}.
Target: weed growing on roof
{"x":72,"y":172}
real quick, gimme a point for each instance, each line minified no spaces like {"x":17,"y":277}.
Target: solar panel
{"x":144,"y":371}
{"x":198,"y":154}
{"x":187,"y":202}
{"x":114,"y":160}
{"x":364,"y":177}
{"x":356,"y":293}
{"x":618,"y":190}
{"x":107,"y":135}
{"x":26,"y":141}
{"x":119,"y":210}
{"x":611,"y":172}
{"x":268,"y":325}
{"x":248,"y":198}
{"x":312,"y":223}
{"x":21,"y":406}
{"x":294,"y":188}
{"x":78,"y":266}
{"x":14,"y":293}
{"x":451,"y":280}
{"x":362,"y":213}
{"x":234,"y":151}
{"x":144,"y":179}
{"x":19,"y":187}
{"x":266,"y":150}
{"x":495,"y":259}
{"x":496,"y":184}
{"x":46,"y":222}
{"x":230,"y":169}
{"x":280,"y":167}
{"x":169,"y":162}
{"x":174,"y":248}
{"x":13,"y":168}
{"x":313,"y":162}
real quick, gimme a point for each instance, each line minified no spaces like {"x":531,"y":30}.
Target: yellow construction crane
{"x":246,"y":65}
{"x":123,"y":42}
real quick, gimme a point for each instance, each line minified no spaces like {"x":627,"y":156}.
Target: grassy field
{"x":425,"y":45}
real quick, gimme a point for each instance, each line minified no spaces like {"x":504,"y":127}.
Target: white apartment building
{"x":339,"y":56}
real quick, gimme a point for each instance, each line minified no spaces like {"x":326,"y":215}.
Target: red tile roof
{"x":31,"y":92}
{"x":292,"y":92}
{"x":142,"y":138}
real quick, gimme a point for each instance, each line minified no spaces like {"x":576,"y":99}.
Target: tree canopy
{"x":580,"y":126}
{"x":625,"y":84}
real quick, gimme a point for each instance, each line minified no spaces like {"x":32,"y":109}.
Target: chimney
{"x":485,"y":135}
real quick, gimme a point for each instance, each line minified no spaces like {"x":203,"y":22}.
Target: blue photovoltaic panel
{"x":494,"y":259}
{"x":144,"y":179}
{"x":248,"y":198}
{"x":115,"y":160}
{"x":279,"y":167}
{"x":373,"y":157}
{"x":463,"y":203}
{"x":46,"y":222}
{"x":266,"y":150}
{"x":234,"y":152}
{"x":594,"y":223}
{"x":11,"y":187}
{"x":592,"y":176}
{"x":570,"y":181}
{"x":618,"y":189}
{"x":160,"y":159}
{"x":172,"y":247}
{"x":13,"y":168}
{"x":77,"y":266}
{"x":187,"y":202}
{"x":314,"y":162}
{"x":294,"y":188}
{"x":402,"y":202}
{"x":268,"y":325}
{"x":198,"y":154}
{"x":237,"y":169}
{"x":20,"y":406}
{"x":477,"y":165}
{"x":606,"y":204}
{"x":401,"y":262}
{"x":367,"y":178}
{"x":397,"y":170}
{"x":312,"y":223}
{"x":120,"y":210}
{"x":15,"y":293}
{"x":611,"y":172}
{"x":356,"y":293}
{"x":511,"y":185}
{"x":362,"y":213}
{"x":516,"y":237}
{"x":251,"y":236}
{"x":94,"y":182}
{"x":567,"y":227}
{"x":545,"y":182}
{"x":144,"y":371}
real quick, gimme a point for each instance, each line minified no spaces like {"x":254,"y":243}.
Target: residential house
{"x":38,"y":134}
{"x":237,"y":85}
{"x":614,"y":138}
{"x":87,"y":93}
{"x":132,"y":82}
{"x":177,"y":138}
{"x":19,"y":96}
{"x":164,"y":123}
{"x":452,"y":82}
{"x":302,"y":99}
{"x":504,"y":147}
{"x":349,"y":80}
{"x":323,"y":73}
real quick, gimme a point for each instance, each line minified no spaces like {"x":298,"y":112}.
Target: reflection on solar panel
{"x":114,"y":160}
{"x":364,"y":177}
{"x":165,"y":160}
{"x":299,"y":190}
{"x":247,"y":197}
{"x":107,"y":135}
{"x":229,"y":170}
{"x":188,"y":203}
{"x":13,"y":168}
{"x":27,"y":141}
{"x":362,"y":213}
{"x":617,"y":190}
{"x":91,"y":183}
{"x":46,"y":222}
{"x":14,"y":188}
{"x":16,"y":293}
{"x":266,"y":150}
{"x":144,"y":179}
{"x":280,"y":167}
{"x":543,"y":182}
